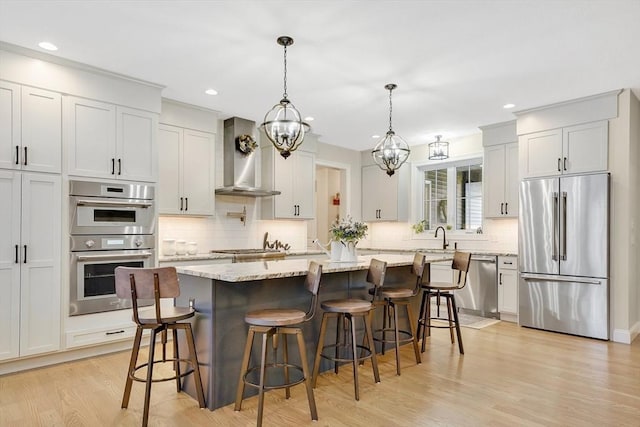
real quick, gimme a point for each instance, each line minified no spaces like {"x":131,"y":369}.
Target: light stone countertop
{"x":261,"y":270}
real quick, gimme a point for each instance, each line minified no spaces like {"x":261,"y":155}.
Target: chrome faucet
{"x":444,"y":236}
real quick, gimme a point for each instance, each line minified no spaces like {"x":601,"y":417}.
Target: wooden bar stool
{"x":347,"y":350}
{"x":460,"y":266}
{"x":391,"y":298}
{"x":273,"y":323}
{"x":156,"y":283}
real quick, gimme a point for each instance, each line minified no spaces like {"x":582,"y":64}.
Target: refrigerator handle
{"x":563,"y":241}
{"x":554,"y":250}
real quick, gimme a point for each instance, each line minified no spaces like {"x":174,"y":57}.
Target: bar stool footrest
{"x":348,"y":347}
{"x":272,"y":366}
{"x":159,"y":380}
{"x":408,"y":334}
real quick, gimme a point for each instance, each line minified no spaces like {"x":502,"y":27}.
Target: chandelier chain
{"x":284,"y":95}
{"x":390,"y":110}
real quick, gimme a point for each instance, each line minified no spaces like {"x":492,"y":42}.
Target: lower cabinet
{"x":508,"y":285}
{"x":30,"y":224}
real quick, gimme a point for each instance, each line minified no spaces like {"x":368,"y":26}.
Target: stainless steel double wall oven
{"x":110,"y":225}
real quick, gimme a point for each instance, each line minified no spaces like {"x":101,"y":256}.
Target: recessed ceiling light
{"x":375,"y":136}
{"x":211,"y":92}
{"x":48,"y":46}
{"x":507,"y":106}
{"x":309,"y":119}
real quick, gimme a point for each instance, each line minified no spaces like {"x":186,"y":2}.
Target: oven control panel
{"x":111,"y":243}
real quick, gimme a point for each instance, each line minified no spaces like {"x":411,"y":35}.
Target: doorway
{"x":331,"y":200}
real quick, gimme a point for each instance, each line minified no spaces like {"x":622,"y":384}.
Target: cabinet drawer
{"x":89,"y":337}
{"x":508,"y":262}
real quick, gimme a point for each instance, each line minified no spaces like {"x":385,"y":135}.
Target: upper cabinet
{"x":500,"y":170}
{"x":108,"y":141}
{"x":294,"y":177}
{"x":384,"y":197}
{"x":30,"y":129}
{"x":186,"y":179}
{"x":573,"y":149}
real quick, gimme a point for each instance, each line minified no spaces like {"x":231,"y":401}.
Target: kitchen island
{"x":223,"y":293}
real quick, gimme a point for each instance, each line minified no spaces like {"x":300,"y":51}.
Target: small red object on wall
{"x":336,"y":199}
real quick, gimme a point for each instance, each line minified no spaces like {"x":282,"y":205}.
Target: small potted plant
{"x":420,"y":226}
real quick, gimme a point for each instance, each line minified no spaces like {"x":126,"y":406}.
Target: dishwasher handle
{"x":484,"y":258}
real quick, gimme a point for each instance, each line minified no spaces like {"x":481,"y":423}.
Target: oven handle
{"x":113,"y":203}
{"x":114,"y":256}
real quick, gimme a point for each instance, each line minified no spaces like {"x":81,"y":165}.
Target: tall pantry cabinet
{"x":30,"y":220}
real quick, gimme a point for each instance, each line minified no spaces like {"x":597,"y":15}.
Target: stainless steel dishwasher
{"x":480,"y":296}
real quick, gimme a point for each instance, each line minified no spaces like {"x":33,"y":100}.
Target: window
{"x":452,"y":194}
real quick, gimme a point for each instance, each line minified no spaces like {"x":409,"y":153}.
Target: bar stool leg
{"x":354,"y":346}
{"x":412,"y":327}
{"x":339,"y":322}
{"x":426,"y":321}
{"x":132,"y":367}
{"x":369,"y":333}
{"x":420,"y":330}
{"x":147,"y":391}
{"x":263,"y":362}
{"x":397,"y":335}
{"x":176,"y":364}
{"x":457,"y":322}
{"x":385,"y":315}
{"x":316,"y":361}
{"x":449,"y":315}
{"x":285,"y":358}
{"x":193,"y":355}
{"x":244,"y":368}
{"x":305,"y":371}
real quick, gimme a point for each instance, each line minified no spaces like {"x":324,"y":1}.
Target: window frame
{"x":418,"y":170}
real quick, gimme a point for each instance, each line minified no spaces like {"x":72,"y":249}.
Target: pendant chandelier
{"x":438,"y":150}
{"x":392,"y":151}
{"x":283,"y":124}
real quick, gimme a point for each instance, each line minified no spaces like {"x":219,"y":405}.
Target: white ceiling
{"x":455,"y":62}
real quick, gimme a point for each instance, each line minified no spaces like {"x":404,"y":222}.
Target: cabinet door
{"x":508,"y":291}
{"x":9,"y":264}
{"x":41,"y":117}
{"x":90,"y":137}
{"x":136,"y":144}
{"x":494,"y":178}
{"x":585,"y":147}
{"x":10,"y":140}
{"x":283,"y":181}
{"x":387,"y":196}
{"x":512,"y":180}
{"x":40,"y":268}
{"x":541,"y":153}
{"x":169,"y":178}
{"x":198,"y":179}
{"x":370,"y":177}
{"x":304,"y":172}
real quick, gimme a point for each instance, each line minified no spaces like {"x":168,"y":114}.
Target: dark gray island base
{"x":223,"y":293}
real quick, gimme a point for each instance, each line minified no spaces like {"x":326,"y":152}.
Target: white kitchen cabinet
{"x":501,"y":181}
{"x":30,"y":225}
{"x":108,"y":141}
{"x":384,"y":197}
{"x":186,"y":180}
{"x":508,"y":285}
{"x":574,"y":149}
{"x":295,"y":178}
{"x":30,"y":129}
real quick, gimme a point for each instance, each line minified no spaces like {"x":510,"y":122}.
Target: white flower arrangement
{"x":348,"y":230}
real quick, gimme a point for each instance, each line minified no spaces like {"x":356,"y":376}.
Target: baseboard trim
{"x":626,"y":336}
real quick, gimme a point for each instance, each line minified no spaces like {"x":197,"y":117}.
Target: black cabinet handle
{"x":25,"y":254}
{"x":17,"y":154}
{"x":119,"y":166}
{"x":181,"y":202}
{"x":559,"y":168}
{"x":500,"y":278}
{"x":502,"y":208}
{"x":121,"y":331}
{"x":17,"y":254}
{"x":565,"y":163}
{"x":25,"y":156}
{"x":113,"y":166}
{"x":186,"y":203}
{"x":506,"y":208}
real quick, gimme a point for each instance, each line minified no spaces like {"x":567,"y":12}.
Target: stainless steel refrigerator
{"x":564,"y":254}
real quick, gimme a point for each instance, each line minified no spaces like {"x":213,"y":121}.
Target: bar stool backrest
{"x":312,"y":284}
{"x":417,"y":268}
{"x":376,"y":273}
{"x":461,"y":261}
{"x":147,"y":283}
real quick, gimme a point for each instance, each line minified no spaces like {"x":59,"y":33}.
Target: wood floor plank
{"x":508,"y":376}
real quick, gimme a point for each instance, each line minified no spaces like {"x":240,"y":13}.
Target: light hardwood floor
{"x":509,"y":376}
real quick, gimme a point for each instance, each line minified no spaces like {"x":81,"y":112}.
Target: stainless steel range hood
{"x":240,"y":167}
